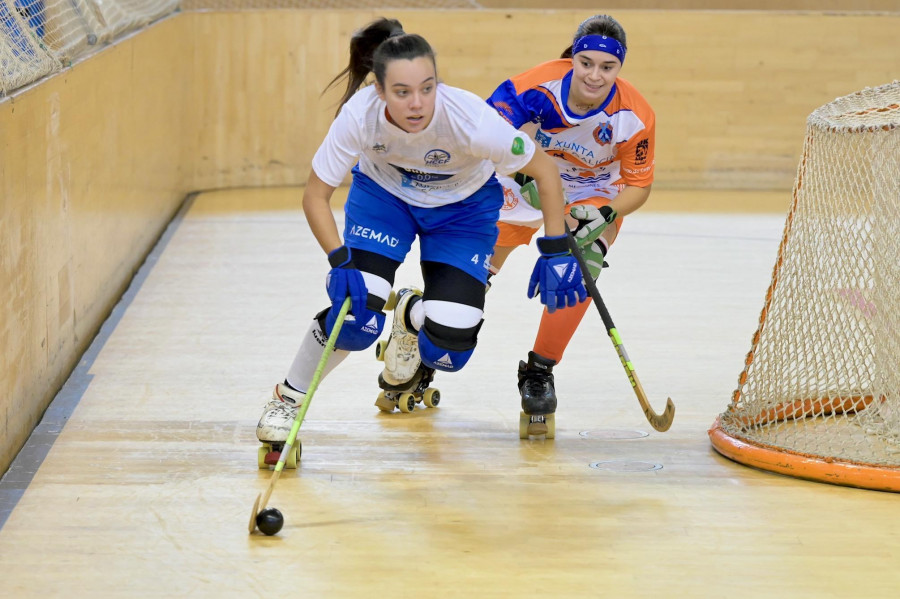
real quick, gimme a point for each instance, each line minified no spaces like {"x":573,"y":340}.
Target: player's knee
{"x":357,"y":332}
{"x":446,"y":348}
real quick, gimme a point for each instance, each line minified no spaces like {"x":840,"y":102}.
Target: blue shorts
{"x":461,"y":234}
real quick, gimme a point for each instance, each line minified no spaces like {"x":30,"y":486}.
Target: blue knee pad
{"x":357,"y":332}
{"x":439,"y":358}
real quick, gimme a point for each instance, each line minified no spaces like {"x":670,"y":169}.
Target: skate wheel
{"x":379,"y":350}
{"x":383,"y":403}
{"x":406,"y":402}
{"x":537,"y":426}
{"x":261,"y":454}
{"x":432,"y":398}
{"x":293,"y":458}
{"x":391,"y":301}
{"x":523,"y":425}
{"x":267,"y":456}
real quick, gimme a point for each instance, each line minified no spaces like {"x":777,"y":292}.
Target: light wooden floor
{"x":151,"y":471}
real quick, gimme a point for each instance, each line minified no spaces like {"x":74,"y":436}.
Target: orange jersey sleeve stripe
{"x":546,"y":71}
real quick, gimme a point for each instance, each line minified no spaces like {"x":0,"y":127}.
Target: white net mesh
{"x":822,"y":378}
{"x":38,"y":37}
{"x":332,"y":4}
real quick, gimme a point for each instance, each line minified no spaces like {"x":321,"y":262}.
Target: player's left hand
{"x":592,"y":221}
{"x":556,"y":275}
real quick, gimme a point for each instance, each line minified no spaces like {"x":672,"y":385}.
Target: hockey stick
{"x":660,"y":422}
{"x":263,"y":500}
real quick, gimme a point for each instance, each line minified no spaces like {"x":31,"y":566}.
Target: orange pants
{"x":556,"y":329}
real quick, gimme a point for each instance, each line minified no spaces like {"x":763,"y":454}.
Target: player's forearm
{"x":546,"y":175}
{"x":317,"y":208}
{"x":630,"y":199}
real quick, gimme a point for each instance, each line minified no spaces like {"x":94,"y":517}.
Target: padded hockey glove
{"x":556,"y":275}
{"x":592,"y":221}
{"x":362,"y":325}
{"x":528,"y":189}
{"x":344,"y":280}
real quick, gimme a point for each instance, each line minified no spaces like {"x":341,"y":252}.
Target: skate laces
{"x":407,"y":341}
{"x":278,"y":408}
{"x":536,"y":380}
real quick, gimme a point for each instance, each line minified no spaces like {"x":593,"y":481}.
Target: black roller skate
{"x":538,"y":397}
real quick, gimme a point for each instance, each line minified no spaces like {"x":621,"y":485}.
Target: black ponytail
{"x":372,"y":48}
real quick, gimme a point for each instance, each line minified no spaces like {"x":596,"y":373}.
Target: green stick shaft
{"x":317,"y":376}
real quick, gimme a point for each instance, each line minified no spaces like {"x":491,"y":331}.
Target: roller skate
{"x":405,"y":395}
{"x":405,"y":380}
{"x":538,"y":397}
{"x":275,"y":426}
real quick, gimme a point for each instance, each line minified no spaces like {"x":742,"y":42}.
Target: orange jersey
{"x":611,"y":146}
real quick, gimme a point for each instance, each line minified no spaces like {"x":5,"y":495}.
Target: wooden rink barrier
{"x":96,"y":161}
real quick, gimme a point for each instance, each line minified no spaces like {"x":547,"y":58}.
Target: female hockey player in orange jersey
{"x":600,"y":132}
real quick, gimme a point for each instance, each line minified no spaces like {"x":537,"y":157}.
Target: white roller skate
{"x":275,"y":425}
{"x":404,"y":380}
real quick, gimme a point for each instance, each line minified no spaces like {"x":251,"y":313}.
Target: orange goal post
{"x":819,"y":396}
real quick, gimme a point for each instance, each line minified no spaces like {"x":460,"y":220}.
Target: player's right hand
{"x":556,"y":275}
{"x":345,"y":280}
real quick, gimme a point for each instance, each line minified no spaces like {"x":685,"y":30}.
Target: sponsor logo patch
{"x":518,"y":146}
{"x":371,"y":326}
{"x":445,"y":361}
{"x":641,"y":151}
{"x":379,"y":236}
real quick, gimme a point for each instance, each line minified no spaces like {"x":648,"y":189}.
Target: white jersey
{"x":452,"y":158}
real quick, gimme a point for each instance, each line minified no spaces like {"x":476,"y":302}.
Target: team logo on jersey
{"x":641,"y":151}
{"x":603,"y":133}
{"x":510,"y":200}
{"x":377,"y":147}
{"x":542,"y":138}
{"x":437,"y":157}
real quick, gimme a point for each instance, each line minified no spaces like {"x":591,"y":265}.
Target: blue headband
{"x":602,"y":43}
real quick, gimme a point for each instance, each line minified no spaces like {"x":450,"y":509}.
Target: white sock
{"x":307,"y":359}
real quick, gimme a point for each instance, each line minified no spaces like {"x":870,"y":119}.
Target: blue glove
{"x":556,"y":275}
{"x":344,"y":280}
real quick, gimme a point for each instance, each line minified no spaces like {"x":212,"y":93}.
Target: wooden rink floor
{"x":150,"y":470}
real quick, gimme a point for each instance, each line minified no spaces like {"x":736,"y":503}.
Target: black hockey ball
{"x":269,"y":521}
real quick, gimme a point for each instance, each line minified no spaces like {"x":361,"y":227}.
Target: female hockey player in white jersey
{"x":600,"y":132}
{"x":423,"y":157}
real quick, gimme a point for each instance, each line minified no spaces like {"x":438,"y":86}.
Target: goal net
{"x":819,"y":396}
{"x":39,"y":37}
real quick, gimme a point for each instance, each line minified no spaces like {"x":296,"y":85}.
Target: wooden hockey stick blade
{"x":252,"y":526}
{"x":660,"y":422}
